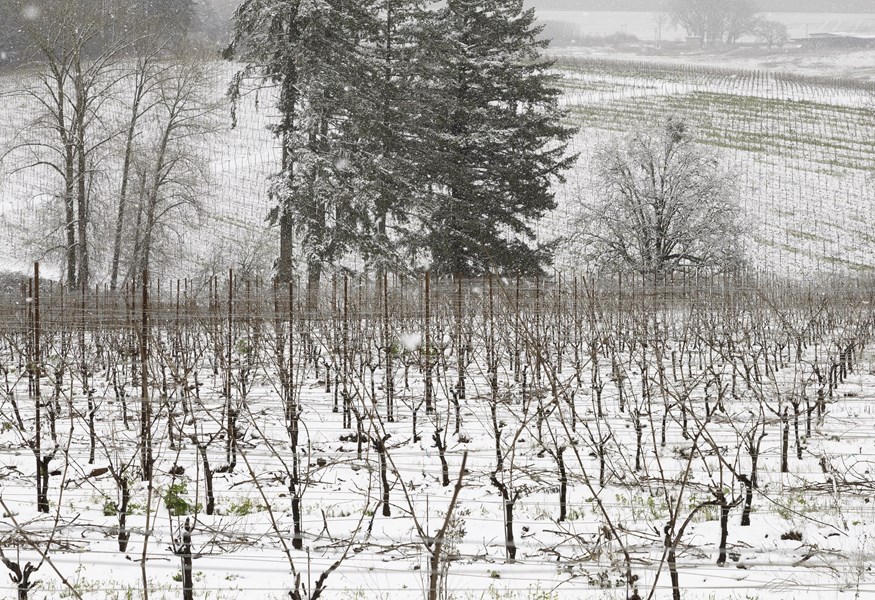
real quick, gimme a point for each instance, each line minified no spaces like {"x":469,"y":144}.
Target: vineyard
{"x":409,"y":438}
{"x":210,"y":434}
{"x":644,"y":25}
{"x":802,"y":148}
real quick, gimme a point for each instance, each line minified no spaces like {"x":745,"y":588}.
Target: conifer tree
{"x":311,"y":50}
{"x":387,"y":155}
{"x":496,"y":138}
{"x":404,"y":129}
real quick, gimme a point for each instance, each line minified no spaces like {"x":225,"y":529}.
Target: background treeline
{"x":206,"y":23}
{"x":816,"y":6}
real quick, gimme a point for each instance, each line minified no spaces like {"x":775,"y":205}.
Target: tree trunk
{"x":42,"y":486}
{"x":123,"y":534}
{"x":724,"y":528}
{"x":445,"y":470}
{"x":69,"y":181}
{"x":145,"y":399}
{"x":508,"y":501}
{"x":314,"y":278}
{"x":208,"y":478}
{"x":139,"y":92}
{"x":285,"y":271}
{"x":185,"y":555}
{"x":748,"y":500}
{"x":380,"y":447}
{"x":288,"y":106}
{"x":92,"y":432}
{"x":785,"y":441}
{"x":563,"y":486}
{"x":82,"y":208}
{"x":673,"y":572}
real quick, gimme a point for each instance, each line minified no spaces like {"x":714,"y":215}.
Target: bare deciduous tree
{"x":74,"y":57}
{"x":712,"y":20}
{"x":664,"y":204}
{"x":143,"y":77}
{"x":772,"y":33}
{"x":170,"y":170}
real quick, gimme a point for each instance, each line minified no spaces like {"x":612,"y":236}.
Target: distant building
{"x":839,"y":41}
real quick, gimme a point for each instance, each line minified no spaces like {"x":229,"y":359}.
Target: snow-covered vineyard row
{"x":801,"y":147}
{"x":465,"y":439}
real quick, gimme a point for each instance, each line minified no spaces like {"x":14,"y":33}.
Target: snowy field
{"x":802,"y":149}
{"x":611,"y":435}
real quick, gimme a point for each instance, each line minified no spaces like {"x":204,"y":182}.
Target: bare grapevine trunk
{"x":445,"y":470}
{"x":509,"y":500}
{"x":748,"y":500}
{"x":785,"y":441}
{"x":563,"y":485}
{"x":123,"y":534}
{"x":380,"y":447}
{"x":208,"y":478}
{"x":724,"y":527}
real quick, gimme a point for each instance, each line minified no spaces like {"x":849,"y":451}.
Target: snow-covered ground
{"x":647,"y":435}
{"x":846,"y":64}
{"x":801,"y":148}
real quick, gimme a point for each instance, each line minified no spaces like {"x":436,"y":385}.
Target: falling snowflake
{"x":31,"y":12}
{"x":411,"y":341}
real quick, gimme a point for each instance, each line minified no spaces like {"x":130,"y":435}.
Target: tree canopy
{"x":715,"y":21}
{"x":412,"y":135}
{"x":497,"y":138}
{"x":664,"y":203}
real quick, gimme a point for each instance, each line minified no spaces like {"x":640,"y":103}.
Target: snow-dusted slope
{"x":802,"y":148}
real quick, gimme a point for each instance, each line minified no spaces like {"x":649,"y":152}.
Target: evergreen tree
{"x":311,"y":50}
{"x":495,"y":138}
{"x":404,"y":129}
{"x":386,"y":154}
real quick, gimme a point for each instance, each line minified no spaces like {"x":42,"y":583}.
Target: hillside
{"x":802,"y":148}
